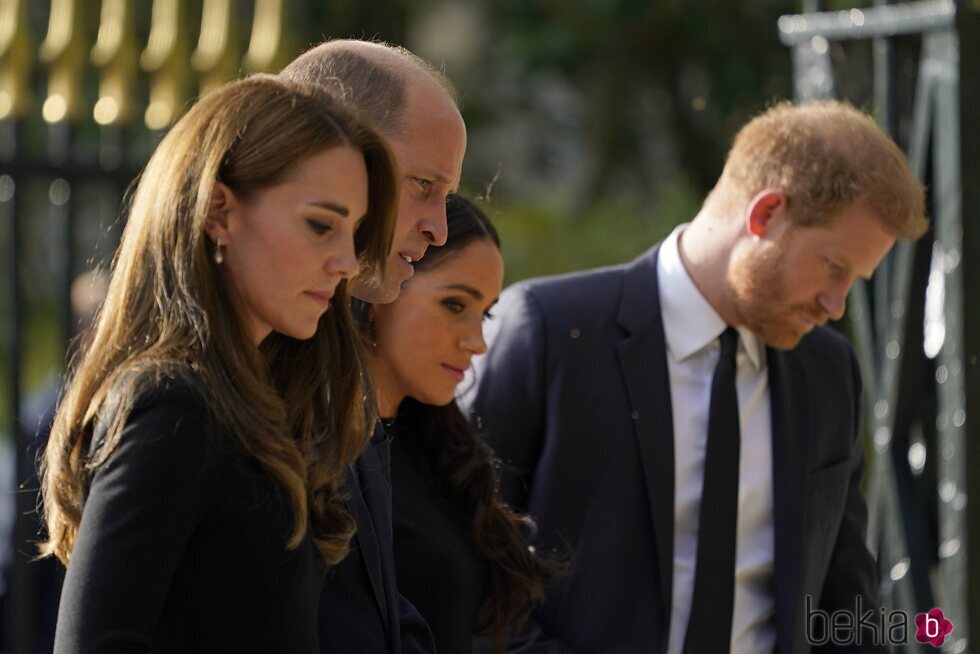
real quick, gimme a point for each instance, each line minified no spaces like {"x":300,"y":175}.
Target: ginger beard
{"x":761,"y":299}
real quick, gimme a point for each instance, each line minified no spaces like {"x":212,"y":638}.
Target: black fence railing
{"x":916,"y":326}
{"x":86,"y":89}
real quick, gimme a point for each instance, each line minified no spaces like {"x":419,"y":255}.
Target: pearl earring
{"x":219,"y":256}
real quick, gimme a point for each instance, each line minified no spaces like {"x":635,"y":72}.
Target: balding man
{"x":687,"y":425}
{"x":414,"y":106}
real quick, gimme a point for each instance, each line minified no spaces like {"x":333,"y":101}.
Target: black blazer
{"x":574,"y":395}
{"x":360,"y":607}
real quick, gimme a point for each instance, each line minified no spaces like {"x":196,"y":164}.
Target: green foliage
{"x":712,"y":64}
{"x":541,"y":239}
{"x":42,"y":354}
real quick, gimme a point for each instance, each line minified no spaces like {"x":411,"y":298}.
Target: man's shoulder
{"x":558,"y":299}
{"x":586,"y":290}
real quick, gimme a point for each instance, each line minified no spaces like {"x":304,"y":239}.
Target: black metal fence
{"x":80,"y":111}
{"x":916,"y":326}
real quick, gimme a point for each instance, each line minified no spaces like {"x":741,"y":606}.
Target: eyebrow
{"x":330,"y":206}
{"x":436,"y":175}
{"x":445,"y":179}
{"x":848,"y":268}
{"x":465,"y":288}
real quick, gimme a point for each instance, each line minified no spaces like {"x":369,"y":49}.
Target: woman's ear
{"x":223,"y":203}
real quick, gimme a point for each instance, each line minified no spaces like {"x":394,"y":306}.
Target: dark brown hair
{"x":298,"y":407}
{"x":464,"y":467}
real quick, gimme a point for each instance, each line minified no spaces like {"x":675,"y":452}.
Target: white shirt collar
{"x":690,"y":322}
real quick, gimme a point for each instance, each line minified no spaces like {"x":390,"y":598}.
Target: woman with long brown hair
{"x":463,"y":557}
{"x":192,"y":479}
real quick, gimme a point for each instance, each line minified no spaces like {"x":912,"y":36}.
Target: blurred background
{"x":595,"y":126}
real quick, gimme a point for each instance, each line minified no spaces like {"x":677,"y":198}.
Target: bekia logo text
{"x":861,"y":626}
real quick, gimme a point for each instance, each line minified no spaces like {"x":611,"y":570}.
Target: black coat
{"x":574,"y":396}
{"x":360,"y":607}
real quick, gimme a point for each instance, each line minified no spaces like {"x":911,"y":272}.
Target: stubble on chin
{"x":759,"y":300}
{"x":375,"y":290}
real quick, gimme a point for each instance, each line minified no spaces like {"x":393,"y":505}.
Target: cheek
{"x":244,"y":278}
{"x":408,"y":208}
{"x":412,"y":340}
{"x":397,"y":332}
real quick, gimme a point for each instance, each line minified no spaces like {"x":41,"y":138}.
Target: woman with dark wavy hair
{"x":192,"y":478}
{"x":463,"y":557}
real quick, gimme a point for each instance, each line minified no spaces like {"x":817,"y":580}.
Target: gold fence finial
{"x":267,"y":50}
{"x":16,"y":59}
{"x":165,"y":59}
{"x":215,"y":59}
{"x":63,"y":50}
{"x":114,"y":53}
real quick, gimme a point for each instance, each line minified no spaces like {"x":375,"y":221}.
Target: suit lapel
{"x":378,"y":498}
{"x":789,"y":400}
{"x":366,"y":537}
{"x":643,"y":360}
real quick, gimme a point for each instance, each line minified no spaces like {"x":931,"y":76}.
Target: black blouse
{"x":182,"y":546}
{"x":437,"y":569}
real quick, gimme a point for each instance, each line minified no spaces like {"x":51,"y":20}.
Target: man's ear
{"x":223,"y":202}
{"x":762,"y":209}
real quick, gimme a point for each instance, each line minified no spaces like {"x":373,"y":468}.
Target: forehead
{"x":334,"y":179}
{"x":478,"y":264}
{"x":431,"y":139}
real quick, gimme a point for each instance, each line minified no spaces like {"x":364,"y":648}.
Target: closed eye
{"x":319,"y":227}
{"x":454,"y":306}
{"x":835,"y":267}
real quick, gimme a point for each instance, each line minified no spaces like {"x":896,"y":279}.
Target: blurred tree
{"x":712,"y":63}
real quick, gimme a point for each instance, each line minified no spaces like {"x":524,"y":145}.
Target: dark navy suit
{"x":360,"y":608}
{"x":574,"y":395}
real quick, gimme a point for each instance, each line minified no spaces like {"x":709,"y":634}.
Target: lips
{"x":406,"y":262}
{"x":321,"y":297}
{"x":810,"y":320}
{"x":457,"y":372}
{"x":405,"y":269}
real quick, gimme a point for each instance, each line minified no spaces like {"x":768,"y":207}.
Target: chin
{"x":780,"y":338}
{"x":302,"y":336}
{"x":300,"y":333}
{"x":435,"y":399}
{"x":384,"y":292}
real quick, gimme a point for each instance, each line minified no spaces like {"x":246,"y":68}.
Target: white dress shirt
{"x":691,"y":330}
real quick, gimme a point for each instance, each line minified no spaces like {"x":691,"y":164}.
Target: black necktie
{"x":709,"y":630}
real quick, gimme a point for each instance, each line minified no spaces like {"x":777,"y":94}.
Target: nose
{"x":343,"y":263}
{"x":473,"y":341}
{"x":433,"y":227}
{"x":834,"y":302}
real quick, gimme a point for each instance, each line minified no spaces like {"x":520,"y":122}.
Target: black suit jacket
{"x":360,"y":608}
{"x":574,"y":396}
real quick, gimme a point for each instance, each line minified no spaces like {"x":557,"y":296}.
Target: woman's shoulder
{"x":177,"y":393}
{"x":169,"y":414}
{"x":168,"y":446}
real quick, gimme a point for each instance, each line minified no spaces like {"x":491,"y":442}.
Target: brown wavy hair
{"x":465,"y":470}
{"x":297,"y":406}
